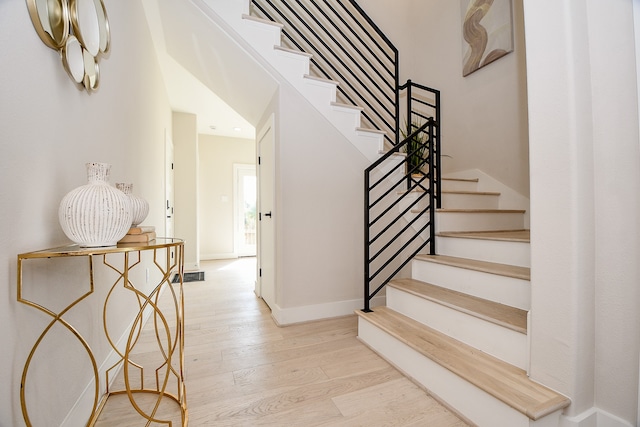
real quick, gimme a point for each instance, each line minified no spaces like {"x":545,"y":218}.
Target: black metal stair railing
{"x":400,"y":205}
{"x":402,"y":188}
{"x":422,"y":104}
{"x":347,"y":47}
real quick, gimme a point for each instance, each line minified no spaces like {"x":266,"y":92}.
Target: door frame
{"x":262,"y":245}
{"x":239,"y":169}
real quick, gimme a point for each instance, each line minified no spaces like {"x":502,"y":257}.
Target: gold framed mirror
{"x":79,"y":30}
{"x":51,"y":21}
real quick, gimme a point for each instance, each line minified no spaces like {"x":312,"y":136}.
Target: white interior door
{"x":266,"y":283}
{"x":245,"y":209}
{"x":169,"y":191}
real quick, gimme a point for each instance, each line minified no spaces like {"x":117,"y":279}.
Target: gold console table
{"x":168,"y":259}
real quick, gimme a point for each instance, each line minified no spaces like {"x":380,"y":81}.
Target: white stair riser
{"x":453,"y":185}
{"x":290,"y":64}
{"x":470,"y":201}
{"x":468,"y":400}
{"x":318,"y":92}
{"x":392,"y":163}
{"x":459,"y":201}
{"x":368,"y":143}
{"x":344,"y":118}
{"x":229,"y":10}
{"x":478,"y":221}
{"x":505,"y":290}
{"x":503,"y":343}
{"x":261,"y":36}
{"x":501,"y":252}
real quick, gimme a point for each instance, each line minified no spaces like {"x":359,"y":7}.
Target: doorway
{"x":266,"y":283}
{"x":245,"y":207}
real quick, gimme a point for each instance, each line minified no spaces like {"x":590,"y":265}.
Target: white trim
{"x":594,"y":417}
{"x":268,"y":126}
{"x":238,"y":168}
{"x":636,"y":22}
{"x":307,"y":313}
{"x":228,"y":255}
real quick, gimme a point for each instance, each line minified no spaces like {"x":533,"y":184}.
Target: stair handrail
{"x":381,"y":264}
{"x":359,"y":55}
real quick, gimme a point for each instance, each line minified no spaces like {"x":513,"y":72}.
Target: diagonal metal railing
{"x":347,"y":47}
{"x":400,"y":205}
{"x":402,"y":189}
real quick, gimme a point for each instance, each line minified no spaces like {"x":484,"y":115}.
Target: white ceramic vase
{"x":139,"y":206}
{"x":96,"y":214}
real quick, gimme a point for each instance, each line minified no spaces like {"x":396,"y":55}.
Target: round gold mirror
{"x":105,"y":36}
{"x":91,"y":72}
{"x":51,"y":21}
{"x":79,"y":30}
{"x":73,"y":59}
{"x":85,"y":24}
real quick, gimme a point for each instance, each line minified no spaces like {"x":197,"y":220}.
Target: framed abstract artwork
{"x":487,"y":32}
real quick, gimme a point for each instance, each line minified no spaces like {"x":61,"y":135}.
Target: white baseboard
{"x":307,"y":313}
{"x":594,"y":417}
{"x":207,"y":257}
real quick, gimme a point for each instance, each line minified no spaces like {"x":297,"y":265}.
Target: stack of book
{"x":140,"y":234}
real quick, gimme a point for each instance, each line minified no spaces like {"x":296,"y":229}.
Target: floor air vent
{"x":196,"y":276}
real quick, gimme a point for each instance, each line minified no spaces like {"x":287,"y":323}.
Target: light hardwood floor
{"x":243,"y":370}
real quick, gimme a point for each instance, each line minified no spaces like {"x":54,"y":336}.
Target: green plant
{"x":416,"y":148}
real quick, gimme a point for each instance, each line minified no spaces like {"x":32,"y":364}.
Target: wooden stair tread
{"x":461,"y":179}
{"x":500,"y":314}
{"x":502,"y":235}
{"x":501,"y":380}
{"x":292,"y":51}
{"x":262,"y":21}
{"x":470,"y":193}
{"x":369,"y":130}
{"x":346,"y":106}
{"x":483,"y":210}
{"x":321,"y":79}
{"x":476,"y":193}
{"x":516,"y":272}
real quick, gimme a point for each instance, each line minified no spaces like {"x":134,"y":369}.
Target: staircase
{"x":458,"y":325}
{"x":264,"y":39}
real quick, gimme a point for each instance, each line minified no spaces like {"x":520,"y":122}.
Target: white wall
{"x":319,"y":198}
{"x":484,"y":114}
{"x":50,"y":129}
{"x":186,"y":165}
{"x":585,"y":201}
{"x":216,"y":192}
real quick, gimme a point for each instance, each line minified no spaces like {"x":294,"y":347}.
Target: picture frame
{"x":487,"y":32}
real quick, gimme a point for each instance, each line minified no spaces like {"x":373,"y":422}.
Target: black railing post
{"x":438,"y":157}
{"x":397,"y":85}
{"x":432,"y":195}
{"x":409,"y":129}
{"x":409,"y":107}
{"x":367,"y":220}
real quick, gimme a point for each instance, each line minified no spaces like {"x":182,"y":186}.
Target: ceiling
{"x":188,"y":94}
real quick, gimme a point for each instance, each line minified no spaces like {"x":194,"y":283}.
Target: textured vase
{"x":139,"y":206}
{"x":96,"y":214}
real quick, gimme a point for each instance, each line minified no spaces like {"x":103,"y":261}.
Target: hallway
{"x":243,"y":370}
